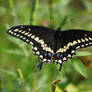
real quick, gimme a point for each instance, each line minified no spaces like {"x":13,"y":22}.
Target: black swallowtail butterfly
{"x":50,"y":45}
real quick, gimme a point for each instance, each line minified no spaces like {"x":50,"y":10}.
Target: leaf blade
{"x":79,"y":67}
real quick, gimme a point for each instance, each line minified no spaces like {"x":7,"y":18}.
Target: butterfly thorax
{"x":58,"y":35}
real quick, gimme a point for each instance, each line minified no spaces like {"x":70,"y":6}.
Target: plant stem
{"x":51,"y":12}
{"x":13,"y":11}
{"x":34,"y":83}
{"x":63,"y":22}
{"x":34,"y":5}
{"x":53,"y":85}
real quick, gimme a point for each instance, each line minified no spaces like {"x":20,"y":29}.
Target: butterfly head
{"x":58,"y":32}
{"x":59,"y":29}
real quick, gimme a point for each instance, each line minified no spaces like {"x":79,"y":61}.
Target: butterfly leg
{"x":41,"y":65}
{"x":60,"y":67}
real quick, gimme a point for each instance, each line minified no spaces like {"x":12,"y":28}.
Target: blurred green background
{"x":18,"y":65}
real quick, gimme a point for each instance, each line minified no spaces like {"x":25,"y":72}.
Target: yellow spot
{"x":73,"y":51}
{"x":24,"y":38}
{"x":90,"y":43}
{"x":35,"y":48}
{"x":11,"y":32}
{"x":60,"y":50}
{"x":16,"y":30}
{"x":69,"y":55}
{"x":29,"y":35}
{"x":21,"y":36}
{"x":44,"y":59}
{"x":26,"y":33}
{"x":32,"y":36}
{"x":64,"y":58}
{"x":86,"y":44}
{"x":31,"y":43}
{"x":79,"y":41}
{"x":64,"y":50}
{"x":78,"y":47}
{"x":37,"y":38}
{"x":21,"y":26}
{"x":41,"y":56}
{"x":14,"y":33}
{"x":27,"y":40}
{"x":70,"y":44}
{"x":82,"y":45}
{"x":37,"y":53}
{"x":20,"y":31}
{"x":60,"y":61}
{"x":82,"y":40}
{"x":90,"y":38}
{"x":29,"y":29}
{"x":86,"y":39}
{"x":74,"y":42}
{"x":23,"y":32}
{"x":18,"y":35}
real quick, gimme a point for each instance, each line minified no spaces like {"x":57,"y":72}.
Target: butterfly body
{"x":50,"y":45}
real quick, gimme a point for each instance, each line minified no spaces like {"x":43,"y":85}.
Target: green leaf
{"x":79,"y":67}
{"x":64,"y":21}
{"x":38,"y":90}
{"x":61,"y":74}
{"x":17,"y":42}
{"x":15,"y":52}
{"x":86,"y":4}
{"x":11,"y":73}
{"x":83,"y":53}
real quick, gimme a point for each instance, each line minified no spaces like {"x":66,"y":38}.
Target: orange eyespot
{"x":53,"y":57}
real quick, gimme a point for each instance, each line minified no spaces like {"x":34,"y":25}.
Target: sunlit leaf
{"x":8,"y":72}
{"x":14,"y":52}
{"x":17,"y":42}
{"x":79,"y":67}
{"x":83,"y":53}
{"x":71,"y":88}
{"x":58,"y":89}
{"x":61,"y":74}
{"x":38,"y":90}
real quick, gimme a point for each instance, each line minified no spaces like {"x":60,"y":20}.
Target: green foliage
{"x":18,"y":65}
{"x":79,"y":67}
{"x":83,"y":53}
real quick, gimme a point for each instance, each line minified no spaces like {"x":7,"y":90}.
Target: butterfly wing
{"x":41,"y":38}
{"x":44,"y":43}
{"x":71,"y":40}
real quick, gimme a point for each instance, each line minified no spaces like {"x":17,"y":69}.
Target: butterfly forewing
{"x":73,"y":40}
{"x":41,"y":38}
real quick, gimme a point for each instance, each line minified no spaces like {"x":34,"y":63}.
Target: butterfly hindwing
{"x":73,"y":40}
{"x":41,"y":38}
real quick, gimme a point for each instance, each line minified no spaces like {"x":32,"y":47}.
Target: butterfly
{"x":51,"y":45}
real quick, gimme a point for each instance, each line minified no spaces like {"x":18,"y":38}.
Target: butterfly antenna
{"x":60,"y":67}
